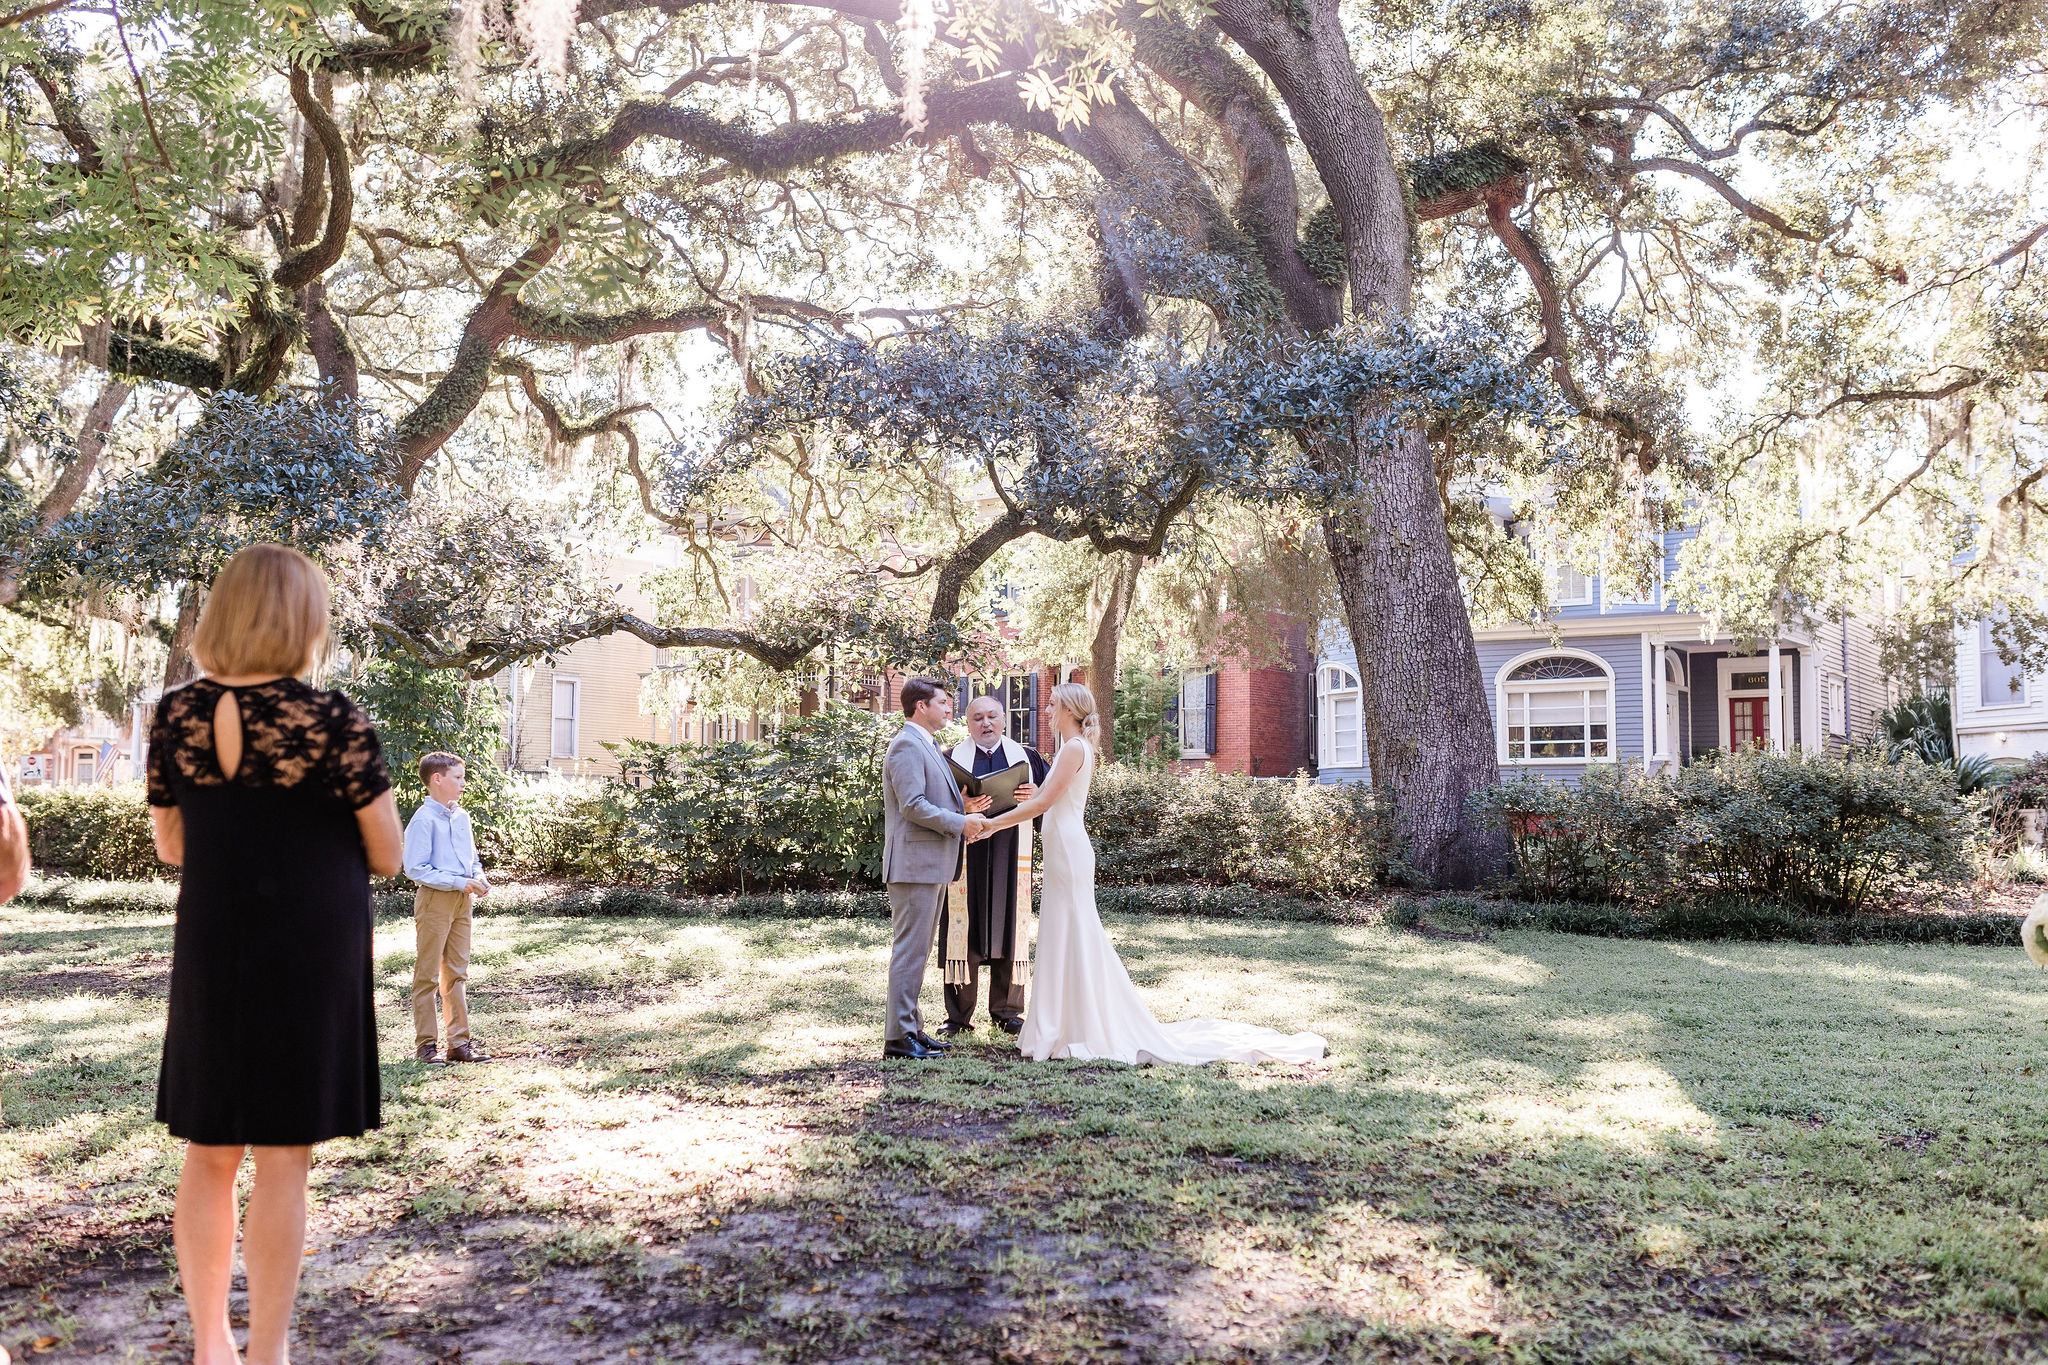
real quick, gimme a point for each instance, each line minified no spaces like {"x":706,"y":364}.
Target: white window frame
{"x":1834,"y":703}
{"x":1586,"y":597}
{"x":1194,"y":752}
{"x":1501,"y":717}
{"x":1335,"y":683}
{"x":2022,"y":696}
{"x":85,"y":767}
{"x":575,"y":716}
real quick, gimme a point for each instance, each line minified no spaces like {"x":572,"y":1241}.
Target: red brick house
{"x":1229,"y":716}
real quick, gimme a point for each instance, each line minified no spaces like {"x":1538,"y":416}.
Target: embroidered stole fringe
{"x":1020,"y":942}
{"x":957,"y":972}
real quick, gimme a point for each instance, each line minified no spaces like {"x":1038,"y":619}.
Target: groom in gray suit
{"x":924,"y":821}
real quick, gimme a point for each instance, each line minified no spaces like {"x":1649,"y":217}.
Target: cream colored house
{"x":562,"y":712}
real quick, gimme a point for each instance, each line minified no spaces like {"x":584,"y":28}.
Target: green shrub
{"x":420,"y":710}
{"x":1920,"y":727}
{"x":1826,"y":833}
{"x":1592,"y":842}
{"x":555,"y":827}
{"x":1829,"y":834}
{"x":2025,"y":788}
{"x":802,"y":811}
{"x":96,"y":832}
{"x":1321,"y":840}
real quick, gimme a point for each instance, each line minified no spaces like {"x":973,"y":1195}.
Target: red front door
{"x":1748,"y":722}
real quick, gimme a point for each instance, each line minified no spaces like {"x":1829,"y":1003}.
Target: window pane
{"x":1344,"y":731}
{"x":565,"y":739}
{"x":1557,"y":741}
{"x":1557,"y":708}
{"x":1998,"y":682}
{"x":1749,"y":682}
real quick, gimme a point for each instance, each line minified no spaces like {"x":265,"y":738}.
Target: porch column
{"x":1776,"y":703}
{"x":1659,"y":701}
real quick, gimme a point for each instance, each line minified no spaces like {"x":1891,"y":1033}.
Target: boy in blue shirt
{"x":440,"y":855}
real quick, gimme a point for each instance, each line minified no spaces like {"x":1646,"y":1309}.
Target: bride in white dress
{"x":1083,"y":1004}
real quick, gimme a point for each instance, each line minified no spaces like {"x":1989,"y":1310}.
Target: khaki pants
{"x":441,"y":922}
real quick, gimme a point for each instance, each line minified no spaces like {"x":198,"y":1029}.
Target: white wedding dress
{"x":1083,"y":1005}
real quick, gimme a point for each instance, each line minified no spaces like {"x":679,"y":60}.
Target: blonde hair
{"x":1079,"y":703}
{"x":267,"y":613}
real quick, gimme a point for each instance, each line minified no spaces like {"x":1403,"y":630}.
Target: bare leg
{"x":203,"y":1231}
{"x":273,"y":1245}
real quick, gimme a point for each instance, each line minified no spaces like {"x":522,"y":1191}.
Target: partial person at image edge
{"x":13,"y":848}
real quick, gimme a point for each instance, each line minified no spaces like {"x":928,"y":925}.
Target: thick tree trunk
{"x":1429,"y":733}
{"x":181,"y":668}
{"x":1102,"y":652}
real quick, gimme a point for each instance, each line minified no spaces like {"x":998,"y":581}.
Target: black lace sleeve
{"x":160,"y":756}
{"x":360,"y":776}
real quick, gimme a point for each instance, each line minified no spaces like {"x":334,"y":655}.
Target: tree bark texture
{"x":1102,"y":651}
{"x":70,"y":485}
{"x":1429,"y":732}
{"x":181,"y":668}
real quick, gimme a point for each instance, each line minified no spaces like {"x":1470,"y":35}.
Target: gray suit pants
{"x":914,"y":915}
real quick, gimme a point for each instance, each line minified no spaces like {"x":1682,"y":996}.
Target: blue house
{"x":1630,"y":679}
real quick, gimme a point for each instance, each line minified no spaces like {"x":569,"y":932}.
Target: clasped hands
{"x":979,"y":826}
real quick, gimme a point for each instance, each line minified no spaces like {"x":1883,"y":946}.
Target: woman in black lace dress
{"x":273,"y":798}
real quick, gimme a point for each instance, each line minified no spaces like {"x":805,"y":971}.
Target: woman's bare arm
{"x":167,"y":824}
{"x":383,"y":838}
{"x":1064,"y":767}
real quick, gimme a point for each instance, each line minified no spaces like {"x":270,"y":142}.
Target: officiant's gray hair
{"x":1080,"y":703}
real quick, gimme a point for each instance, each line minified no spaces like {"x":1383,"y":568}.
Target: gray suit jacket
{"x":922,"y":815}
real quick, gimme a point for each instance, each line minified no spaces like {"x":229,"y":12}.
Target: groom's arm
{"x":904,"y":771}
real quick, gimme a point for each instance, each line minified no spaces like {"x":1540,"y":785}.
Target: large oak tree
{"x":1659,"y":198}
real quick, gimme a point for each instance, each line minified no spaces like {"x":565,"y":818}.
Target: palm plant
{"x":1921,"y":726}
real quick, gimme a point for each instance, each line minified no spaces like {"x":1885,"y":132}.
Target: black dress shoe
{"x":934,"y":1044}
{"x":1013,"y":1027}
{"x":906,"y":1047}
{"x":949,"y":1029}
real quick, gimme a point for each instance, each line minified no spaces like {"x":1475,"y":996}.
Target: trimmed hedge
{"x":804,"y":814}
{"x":97,"y":832}
{"x":393,"y":899}
{"x":1819,"y":833}
{"x":1704,"y":920}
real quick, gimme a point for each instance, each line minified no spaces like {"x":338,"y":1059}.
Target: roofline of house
{"x":1685,"y":630}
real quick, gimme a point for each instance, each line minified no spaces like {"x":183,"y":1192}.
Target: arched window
{"x":1556,"y":708}
{"x":1337,"y":709}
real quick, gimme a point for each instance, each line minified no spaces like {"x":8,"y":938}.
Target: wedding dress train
{"x":1083,"y":1004}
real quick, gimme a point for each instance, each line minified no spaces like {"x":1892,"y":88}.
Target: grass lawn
{"x":1532,"y":1148}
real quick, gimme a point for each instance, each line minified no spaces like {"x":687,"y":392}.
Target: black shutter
{"x":1031,"y":701}
{"x":1209,"y":714}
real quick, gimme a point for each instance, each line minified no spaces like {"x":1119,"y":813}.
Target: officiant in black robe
{"x":993,"y":895}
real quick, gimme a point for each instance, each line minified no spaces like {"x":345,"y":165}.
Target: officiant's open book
{"x":1000,"y":785}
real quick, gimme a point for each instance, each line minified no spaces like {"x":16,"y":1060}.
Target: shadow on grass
{"x":1587,"y":1149}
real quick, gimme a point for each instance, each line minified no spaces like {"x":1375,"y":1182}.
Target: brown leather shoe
{"x":468,"y":1052}
{"x":427,"y":1052}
